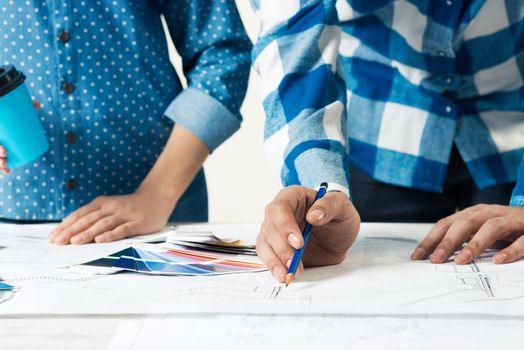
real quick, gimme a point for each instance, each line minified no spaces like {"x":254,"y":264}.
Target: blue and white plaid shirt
{"x":395,"y":82}
{"x":518,"y":193}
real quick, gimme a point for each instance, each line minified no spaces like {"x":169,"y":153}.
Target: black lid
{"x":10,"y":79}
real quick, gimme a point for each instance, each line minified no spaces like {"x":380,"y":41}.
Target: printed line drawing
{"x":253,"y":295}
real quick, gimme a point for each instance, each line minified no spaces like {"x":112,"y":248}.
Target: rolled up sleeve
{"x":304,"y":94}
{"x":204,"y":116}
{"x":215,"y":52}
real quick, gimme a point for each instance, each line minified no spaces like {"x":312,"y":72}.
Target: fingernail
{"x":2,"y":152}
{"x":317,"y":214}
{"x":438,"y":256}
{"x":293,"y":240}
{"x":463,"y":257}
{"x":61,"y":240}
{"x":100,"y":239}
{"x":500,"y":258}
{"x":280,"y":273}
{"x":418,"y":254}
{"x":288,"y":263}
{"x":77,"y":240}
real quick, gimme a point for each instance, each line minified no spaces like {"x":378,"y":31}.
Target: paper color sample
{"x":222,"y":238}
{"x":5,"y":286}
{"x":168,"y":259}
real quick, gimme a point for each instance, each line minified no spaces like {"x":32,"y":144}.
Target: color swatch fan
{"x":6,"y":291}
{"x":166,"y":259}
{"x":233,"y":239}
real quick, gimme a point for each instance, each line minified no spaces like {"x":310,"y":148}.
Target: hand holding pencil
{"x":297,"y":257}
{"x":334,"y":226}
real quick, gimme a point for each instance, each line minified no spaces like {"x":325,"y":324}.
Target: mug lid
{"x":10,"y":79}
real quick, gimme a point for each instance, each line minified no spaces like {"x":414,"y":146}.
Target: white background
{"x":239,"y":182}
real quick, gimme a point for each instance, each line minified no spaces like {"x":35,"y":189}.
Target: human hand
{"x":335,"y":226}
{"x":3,"y":152}
{"x":112,"y":218}
{"x":3,"y":161}
{"x":481,"y":225}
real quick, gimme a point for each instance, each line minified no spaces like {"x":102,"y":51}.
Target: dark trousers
{"x":380,"y":202}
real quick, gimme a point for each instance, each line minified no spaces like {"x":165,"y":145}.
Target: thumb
{"x":328,"y":208}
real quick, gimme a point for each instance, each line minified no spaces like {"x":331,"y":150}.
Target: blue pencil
{"x":299,"y":252}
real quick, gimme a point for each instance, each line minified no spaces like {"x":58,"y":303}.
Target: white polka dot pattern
{"x":101,"y":70}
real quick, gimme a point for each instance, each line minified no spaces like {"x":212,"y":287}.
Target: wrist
{"x":163,"y":196}
{"x":174,"y":169}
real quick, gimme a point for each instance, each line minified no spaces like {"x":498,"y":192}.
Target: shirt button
{"x":449,"y":80}
{"x":449,"y":109}
{"x":64,"y":37}
{"x":71,"y":137}
{"x":449,"y":2}
{"x":71,"y":184}
{"x":68,"y":88}
{"x":441,"y":53}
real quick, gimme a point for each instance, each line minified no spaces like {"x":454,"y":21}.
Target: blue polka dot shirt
{"x":110,"y":95}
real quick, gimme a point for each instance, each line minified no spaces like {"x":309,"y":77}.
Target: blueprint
{"x":377,"y":278}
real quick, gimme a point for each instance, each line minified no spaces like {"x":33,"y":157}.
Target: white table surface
{"x":49,"y":331}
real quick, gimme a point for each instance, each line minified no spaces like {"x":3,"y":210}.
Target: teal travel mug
{"x":21,"y":132}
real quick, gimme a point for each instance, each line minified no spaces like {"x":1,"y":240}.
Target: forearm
{"x":176,"y":167}
{"x":108,"y":218}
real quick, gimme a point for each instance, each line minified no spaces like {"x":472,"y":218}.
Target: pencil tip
{"x":289,"y":278}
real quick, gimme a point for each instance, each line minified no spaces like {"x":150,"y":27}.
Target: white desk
{"x":66,"y":319}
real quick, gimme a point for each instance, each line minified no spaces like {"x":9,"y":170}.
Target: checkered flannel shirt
{"x":390,"y":86}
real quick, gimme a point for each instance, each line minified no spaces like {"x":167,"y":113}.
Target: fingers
{"x":274,"y":264}
{"x":333,"y":206}
{"x":120,"y":232}
{"x":450,"y":233}
{"x":3,"y":166}
{"x":459,"y":232}
{"x":280,"y":234}
{"x":102,"y":226}
{"x":432,"y":239}
{"x":492,"y":230}
{"x":74,"y":217}
{"x":280,"y":216}
{"x":3,"y":161}
{"x":512,"y":253}
{"x":109,"y":218}
{"x":65,"y":236}
{"x":281,"y":245}
{"x":482,"y":226}
{"x":275,"y":250}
